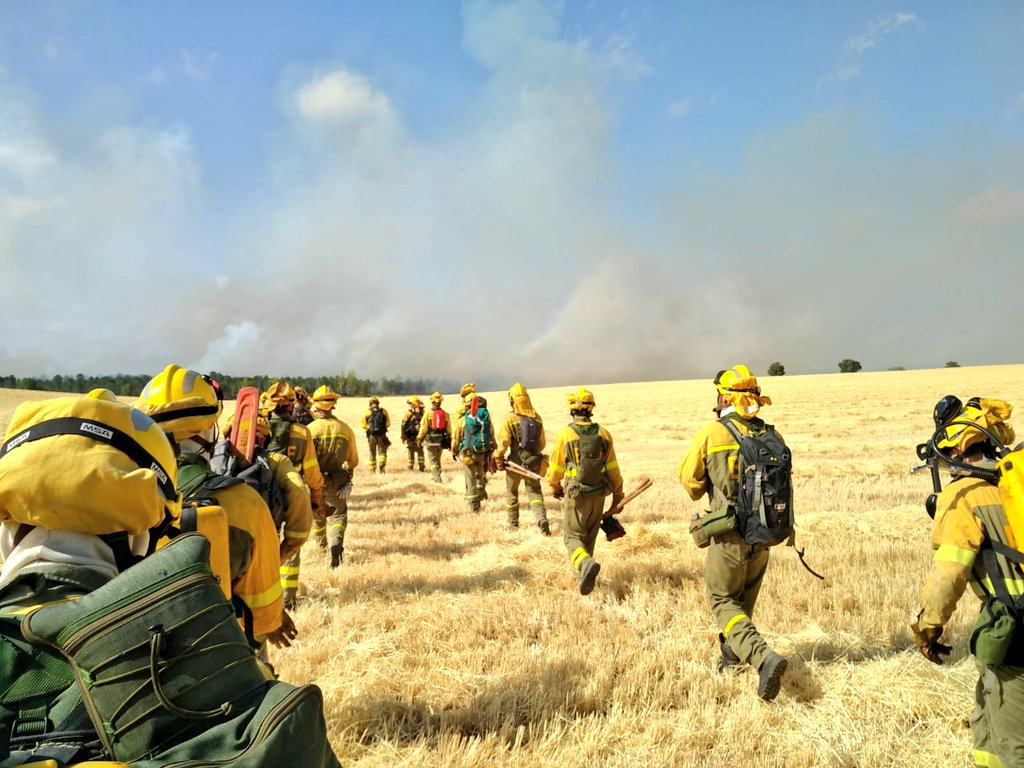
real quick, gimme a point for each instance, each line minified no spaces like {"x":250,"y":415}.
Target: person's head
{"x":374,"y":403}
{"x":582,"y":405}
{"x":971,"y":433}
{"x":186,"y":404}
{"x":301,"y":397}
{"x":415,"y":404}
{"x":519,"y":400}
{"x":85,"y":466}
{"x":280,"y":396}
{"x":738,"y":387}
{"x":467,"y":389}
{"x":436,"y":399}
{"x":325,"y":398}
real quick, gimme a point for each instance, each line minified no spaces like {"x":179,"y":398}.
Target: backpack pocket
{"x":717,"y":524}
{"x":157,"y":651}
{"x":992,"y":635}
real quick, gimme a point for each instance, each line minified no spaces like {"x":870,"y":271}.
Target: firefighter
{"x":472,"y":444}
{"x":186,"y":404}
{"x":521,"y":436}
{"x":733,"y":569}
{"x":337,"y":456}
{"x":973,"y":547}
{"x":301,"y":413}
{"x":583,"y":470}
{"x":294,"y":441}
{"x":289,"y":502}
{"x":410,"y":433}
{"x":376,"y":423}
{"x":436,"y":433}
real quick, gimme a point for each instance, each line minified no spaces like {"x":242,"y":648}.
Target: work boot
{"x":588,"y":575}
{"x":729,"y":657}
{"x":512,"y":526}
{"x":544,"y":527}
{"x":769,"y":676}
{"x":337,"y":552}
{"x":410,"y":467}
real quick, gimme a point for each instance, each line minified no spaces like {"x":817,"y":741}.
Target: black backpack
{"x":764,"y":495}
{"x":378,"y":422}
{"x":411,"y":426}
{"x":529,"y":434}
{"x":258,"y":475}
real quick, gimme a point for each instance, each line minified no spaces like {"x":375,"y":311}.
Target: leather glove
{"x":499,"y":463}
{"x":282,"y":637}
{"x":927,"y":640}
{"x":558,"y":492}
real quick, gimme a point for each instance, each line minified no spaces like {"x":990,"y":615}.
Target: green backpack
{"x":168,"y":677}
{"x":590,"y":460}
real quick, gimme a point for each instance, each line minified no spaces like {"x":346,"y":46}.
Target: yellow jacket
{"x":958,"y":533}
{"x":255,"y":557}
{"x":711,"y":465}
{"x":508,"y":436}
{"x":565,"y":459}
{"x":335,"y":445}
{"x":425,"y":427}
{"x":298,"y":515}
{"x":366,"y":419}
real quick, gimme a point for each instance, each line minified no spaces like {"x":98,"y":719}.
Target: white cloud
{"x":680,"y":108}
{"x":195,"y":66}
{"x":620,"y":56}
{"x":993,"y":205}
{"x":342,"y":96}
{"x":850,"y":63}
{"x":1016,"y":108}
{"x":155,"y":76}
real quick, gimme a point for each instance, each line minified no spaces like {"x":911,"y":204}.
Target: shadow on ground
{"x":506,"y":709}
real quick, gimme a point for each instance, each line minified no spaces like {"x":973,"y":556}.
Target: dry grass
{"x":446,"y":640}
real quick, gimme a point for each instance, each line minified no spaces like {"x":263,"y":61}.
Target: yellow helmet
{"x":262,"y":427}
{"x":266,"y":404}
{"x":375,"y":400}
{"x":740,"y":389}
{"x":987,"y":414}
{"x":582,"y":400}
{"x":415,"y":401}
{"x":280,"y":393}
{"x":324,"y":397}
{"x":516,"y":390}
{"x":467,"y":389}
{"x":87,"y":464}
{"x":437,"y":397}
{"x":182,"y":401}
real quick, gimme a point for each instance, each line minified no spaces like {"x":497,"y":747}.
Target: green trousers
{"x":733,"y":572}
{"x":434,"y":450}
{"x":378,"y":452}
{"x":290,"y":579}
{"x":581,"y":522}
{"x":533,"y":493}
{"x":416,"y":456}
{"x":997,"y":724}
{"x":475,"y":473}
{"x":337,"y":521}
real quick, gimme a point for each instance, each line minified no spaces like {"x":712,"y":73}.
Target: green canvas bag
{"x":157,"y":652}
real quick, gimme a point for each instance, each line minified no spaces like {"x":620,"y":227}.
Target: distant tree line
{"x":348,"y":384}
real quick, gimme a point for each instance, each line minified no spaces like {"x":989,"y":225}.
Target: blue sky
{"x":638,"y":190}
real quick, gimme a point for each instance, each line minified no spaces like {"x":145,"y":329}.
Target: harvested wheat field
{"x":446,"y":640}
